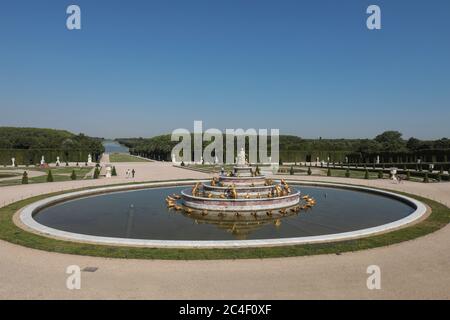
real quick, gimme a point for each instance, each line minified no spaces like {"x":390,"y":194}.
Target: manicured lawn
{"x":81,"y":170}
{"x":59,"y":174}
{"x":123,"y":157}
{"x":439,"y":217}
{"x":8,"y":175}
{"x":353,"y":173}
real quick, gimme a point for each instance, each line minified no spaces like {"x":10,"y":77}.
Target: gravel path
{"x":418,"y":269}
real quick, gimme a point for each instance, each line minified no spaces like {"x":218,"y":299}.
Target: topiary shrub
{"x":408,"y":175}
{"x":309,"y":171}
{"x":425,"y":178}
{"x":439,"y":177}
{"x":113,"y":171}
{"x":329,"y":172}
{"x":291,"y":171}
{"x":25,"y":178}
{"x":366,"y":175}
{"x":73,"y":176}
{"x":380,"y":174}
{"x":347,"y":173}
{"x":67,"y":164}
{"x":49,"y":176}
{"x":182,"y":163}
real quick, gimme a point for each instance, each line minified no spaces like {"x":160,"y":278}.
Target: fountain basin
{"x":104,"y":215}
{"x":245,"y":205}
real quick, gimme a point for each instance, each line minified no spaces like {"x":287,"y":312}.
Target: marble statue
{"x":378,"y":160}
{"x":57,"y":161}
{"x":240,"y":160}
{"x":394,"y":174}
{"x":89,"y":158}
{"x":346,"y":159}
{"x":108,"y":172}
{"x":13,"y":161}
{"x":42,"y":160}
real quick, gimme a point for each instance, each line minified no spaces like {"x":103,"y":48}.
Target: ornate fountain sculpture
{"x":242,"y":192}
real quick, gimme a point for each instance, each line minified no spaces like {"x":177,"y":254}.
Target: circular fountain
{"x":243,"y":191}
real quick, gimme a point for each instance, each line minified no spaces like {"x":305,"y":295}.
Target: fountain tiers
{"x":252,"y":194}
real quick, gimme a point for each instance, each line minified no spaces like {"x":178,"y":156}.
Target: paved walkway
{"x":413,"y":269}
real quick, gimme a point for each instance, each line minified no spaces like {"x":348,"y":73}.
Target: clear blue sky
{"x":310,"y":68}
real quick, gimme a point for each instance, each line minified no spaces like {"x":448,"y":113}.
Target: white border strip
{"x":26,"y":217}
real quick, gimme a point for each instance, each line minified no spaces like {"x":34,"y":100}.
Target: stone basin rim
{"x":27,"y":222}
{"x":291,"y":195}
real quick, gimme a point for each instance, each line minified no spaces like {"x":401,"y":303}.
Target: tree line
{"x":294,"y":148}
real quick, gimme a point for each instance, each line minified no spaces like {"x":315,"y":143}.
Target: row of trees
{"x":392,"y":141}
{"x":390,"y":144}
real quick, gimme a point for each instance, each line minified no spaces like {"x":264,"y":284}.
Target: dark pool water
{"x":142,"y":214}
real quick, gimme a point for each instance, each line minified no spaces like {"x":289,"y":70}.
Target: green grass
{"x":66,"y":170}
{"x":123,"y":157}
{"x":353,"y":173}
{"x":439,"y":217}
{"x":59,"y":174}
{"x":8,"y":175}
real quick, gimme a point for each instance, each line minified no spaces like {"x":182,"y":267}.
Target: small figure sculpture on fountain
{"x":240,"y":160}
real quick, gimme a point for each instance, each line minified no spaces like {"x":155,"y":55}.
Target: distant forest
{"x":292,"y":148}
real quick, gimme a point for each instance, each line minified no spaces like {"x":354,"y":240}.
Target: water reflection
{"x":142,"y":214}
{"x":242,"y":226}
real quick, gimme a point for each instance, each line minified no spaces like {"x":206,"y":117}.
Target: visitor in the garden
{"x":133,"y":172}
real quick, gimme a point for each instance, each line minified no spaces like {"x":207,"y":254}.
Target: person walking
{"x":133,"y":172}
